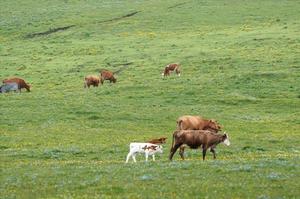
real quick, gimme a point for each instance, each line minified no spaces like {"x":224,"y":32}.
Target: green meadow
{"x":240,"y":62}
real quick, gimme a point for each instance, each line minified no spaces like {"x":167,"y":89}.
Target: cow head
{"x":225,"y":139}
{"x":166,"y":71}
{"x":213,"y":125}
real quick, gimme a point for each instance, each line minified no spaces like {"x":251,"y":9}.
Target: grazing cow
{"x":196,"y":138}
{"x":107,"y":75}
{"x":21,"y":83}
{"x":161,"y":140}
{"x":189,"y":122}
{"x":93,"y":80}
{"x":171,"y":67}
{"x":9,"y":87}
{"x":146,"y":148}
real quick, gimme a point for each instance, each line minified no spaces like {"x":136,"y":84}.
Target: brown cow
{"x":196,"y":138}
{"x":21,"y":83}
{"x":107,"y":75}
{"x":171,"y":67}
{"x":93,"y":80}
{"x":189,"y":122}
{"x":161,"y":140}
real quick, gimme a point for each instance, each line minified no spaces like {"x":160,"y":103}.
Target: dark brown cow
{"x":107,"y":75}
{"x":171,"y":67}
{"x":21,"y":83}
{"x":161,"y":140}
{"x":196,"y":138}
{"x":189,"y":122}
{"x":93,"y":80}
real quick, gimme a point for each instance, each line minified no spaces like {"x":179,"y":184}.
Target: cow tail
{"x":173,"y":138}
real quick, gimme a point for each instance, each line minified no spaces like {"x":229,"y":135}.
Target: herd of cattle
{"x":192,"y":131}
{"x":17,"y":84}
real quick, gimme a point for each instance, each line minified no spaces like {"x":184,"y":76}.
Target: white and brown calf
{"x":146,"y":148}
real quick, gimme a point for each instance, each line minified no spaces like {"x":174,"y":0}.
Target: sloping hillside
{"x":240,"y":65}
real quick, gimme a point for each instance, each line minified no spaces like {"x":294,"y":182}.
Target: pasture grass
{"x":240,"y":65}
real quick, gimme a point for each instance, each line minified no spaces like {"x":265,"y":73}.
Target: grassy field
{"x":240,"y":65}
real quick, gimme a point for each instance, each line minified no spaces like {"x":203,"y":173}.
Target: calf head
{"x":225,"y":139}
{"x":162,"y":140}
{"x":159,"y":149}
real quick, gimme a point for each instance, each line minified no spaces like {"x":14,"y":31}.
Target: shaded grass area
{"x":240,"y":65}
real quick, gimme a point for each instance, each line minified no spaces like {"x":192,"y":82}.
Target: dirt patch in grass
{"x":48,"y":32}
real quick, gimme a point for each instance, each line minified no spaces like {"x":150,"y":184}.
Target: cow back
{"x":189,"y":122}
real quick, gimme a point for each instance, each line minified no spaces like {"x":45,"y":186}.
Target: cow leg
{"x":204,"y":148}
{"x":213,"y":151}
{"x":173,"y":150}
{"x":181,"y":152}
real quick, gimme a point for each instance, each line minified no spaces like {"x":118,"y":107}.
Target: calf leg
{"x":153,"y":157}
{"x":173,"y":150}
{"x":128,"y":156}
{"x":146,"y":155}
{"x":133,"y":157}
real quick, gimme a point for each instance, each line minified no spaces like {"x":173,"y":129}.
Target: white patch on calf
{"x":136,"y":148}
